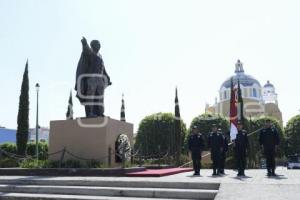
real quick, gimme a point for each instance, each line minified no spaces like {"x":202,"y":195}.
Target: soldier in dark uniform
{"x":241,"y":146}
{"x":269,"y":139}
{"x":223,"y":154}
{"x":215,"y":143}
{"x":195,"y":145}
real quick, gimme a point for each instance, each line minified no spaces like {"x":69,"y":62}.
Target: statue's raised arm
{"x":83,"y":41}
{"x":82,"y":66}
{"x":85,"y":47}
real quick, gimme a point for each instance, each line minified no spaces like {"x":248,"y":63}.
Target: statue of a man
{"x":91,"y":79}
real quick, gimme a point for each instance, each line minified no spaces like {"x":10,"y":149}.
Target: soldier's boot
{"x":214,"y":172}
{"x":273,"y":172}
{"x":239,"y":172}
{"x":197,"y":172}
{"x":269,"y":172}
{"x":222,"y":171}
{"x":243,"y":172}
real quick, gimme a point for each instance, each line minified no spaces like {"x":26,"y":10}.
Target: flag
{"x":69,"y":113}
{"x":233,"y":116}
{"x":240,"y":105}
{"x":122,"y":115}
{"x":177,"y":130}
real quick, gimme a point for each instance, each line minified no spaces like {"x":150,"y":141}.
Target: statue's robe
{"x":85,"y":67}
{"x":82,"y":67}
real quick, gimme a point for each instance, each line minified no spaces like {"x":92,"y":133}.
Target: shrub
{"x":8,"y":162}
{"x":8,"y":147}
{"x":30,"y":163}
{"x":156,"y":134}
{"x":43,"y":150}
{"x":93,"y":164}
{"x":71,"y":164}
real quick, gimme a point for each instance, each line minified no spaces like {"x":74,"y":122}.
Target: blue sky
{"x":149,"y":48}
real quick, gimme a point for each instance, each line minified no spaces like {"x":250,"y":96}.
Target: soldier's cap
{"x":219,"y":129}
{"x":195,"y":127}
{"x":240,"y":122}
{"x":214,"y":125}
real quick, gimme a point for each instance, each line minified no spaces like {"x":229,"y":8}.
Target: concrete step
{"x":107,"y":183}
{"x":112,"y":191}
{"x":32,"y":196}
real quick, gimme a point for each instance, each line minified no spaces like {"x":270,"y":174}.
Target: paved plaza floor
{"x":256,"y":185}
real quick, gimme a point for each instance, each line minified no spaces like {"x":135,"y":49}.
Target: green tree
{"x":253,"y":128}
{"x":23,"y":114}
{"x":177,"y":131}
{"x":156,"y":134}
{"x":292,"y":131}
{"x":204,"y":123}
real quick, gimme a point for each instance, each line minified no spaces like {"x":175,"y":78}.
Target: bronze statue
{"x":91,"y":79}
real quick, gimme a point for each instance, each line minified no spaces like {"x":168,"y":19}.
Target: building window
{"x":225,"y":95}
{"x":245,"y":94}
{"x":254,"y":92}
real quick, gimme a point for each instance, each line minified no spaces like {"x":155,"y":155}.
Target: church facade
{"x":258,"y":100}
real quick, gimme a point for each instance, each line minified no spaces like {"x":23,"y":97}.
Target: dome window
{"x":254,"y":94}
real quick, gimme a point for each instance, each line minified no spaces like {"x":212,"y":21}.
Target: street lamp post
{"x":37,"y":87}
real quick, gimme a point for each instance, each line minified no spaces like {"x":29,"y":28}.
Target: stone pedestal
{"x":87,"y":138}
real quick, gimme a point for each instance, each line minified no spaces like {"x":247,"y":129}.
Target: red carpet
{"x":159,"y":172}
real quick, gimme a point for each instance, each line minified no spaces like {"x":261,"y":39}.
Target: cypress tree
{"x":69,"y":114}
{"x":122,"y":114}
{"x":177,"y":131}
{"x":23,"y":114}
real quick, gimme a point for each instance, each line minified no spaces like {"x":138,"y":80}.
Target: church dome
{"x":245,"y":80}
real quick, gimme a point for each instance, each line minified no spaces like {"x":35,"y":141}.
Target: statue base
{"x":86,"y":139}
